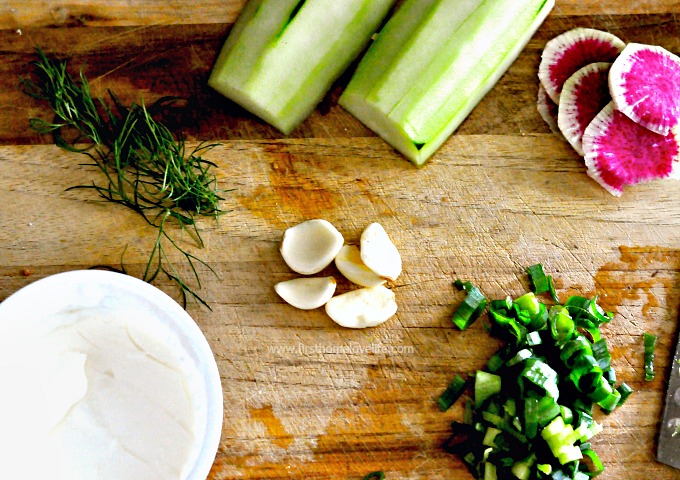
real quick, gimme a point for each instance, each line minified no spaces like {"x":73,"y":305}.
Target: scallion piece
{"x":625,"y":391}
{"x":529,"y":303}
{"x":531,"y":417}
{"x":610,"y":375}
{"x":490,"y":436}
{"x":551,"y":289}
{"x":452,"y":393}
{"x":496,"y":361}
{"x":471,"y":308}
{"x":650,"y":343}
{"x":548,"y":409}
{"x":542,"y":375}
{"x":379,"y":475}
{"x":595,"y":465}
{"x":601,"y":354}
{"x":562,"y":325}
{"x":534,"y":338}
{"x":486,"y":385}
{"x":539,"y":280}
{"x":543,"y":382}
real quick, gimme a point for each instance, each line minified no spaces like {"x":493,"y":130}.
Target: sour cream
{"x":99,"y":390}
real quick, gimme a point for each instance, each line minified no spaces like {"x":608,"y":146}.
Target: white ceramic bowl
{"x":93,"y":288}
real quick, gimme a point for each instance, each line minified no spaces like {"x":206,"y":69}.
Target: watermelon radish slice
{"x":583,"y":96}
{"x":547,"y":109}
{"x":645,"y":85}
{"x":572,"y":50}
{"x":620,"y":152}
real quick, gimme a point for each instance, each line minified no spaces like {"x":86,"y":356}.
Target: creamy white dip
{"x":97,"y":392}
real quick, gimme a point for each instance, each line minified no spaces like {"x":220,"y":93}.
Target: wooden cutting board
{"x":304,"y":398}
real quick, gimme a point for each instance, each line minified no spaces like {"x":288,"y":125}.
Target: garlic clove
{"x":365,"y":307}
{"x":349,"y":263}
{"x":311,"y":246}
{"x":307,"y":293}
{"x":379,"y":253}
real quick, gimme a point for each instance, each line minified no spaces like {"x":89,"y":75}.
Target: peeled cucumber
{"x":431,"y":65}
{"x":282,"y":56}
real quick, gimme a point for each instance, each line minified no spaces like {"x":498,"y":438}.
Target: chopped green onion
{"x":539,"y":281}
{"x":548,"y":409}
{"x":522,"y":469}
{"x":610,"y":402}
{"x":452,"y":393}
{"x":520,"y":357}
{"x":650,"y":343}
{"x":573,"y":349}
{"x":562,"y":326}
{"x":486,"y":385}
{"x":601,"y":354}
{"x":379,"y":475}
{"x":490,"y":436}
{"x":610,"y":375}
{"x":531,"y":416}
{"x":534,"y":338}
{"x":471,"y":308}
{"x":541,"y":375}
{"x":595,"y":465}
{"x":528,"y":302}
{"x":495,"y":362}
{"x":551,"y":289}
{"x":567,"y":414}
{"x":625,"y":391}
{"x":543,"y":382}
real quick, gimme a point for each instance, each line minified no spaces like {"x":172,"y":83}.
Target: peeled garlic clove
{"x":349,"y":263}
{"x":379,"y":253}
{"x":311,"y":246}
{"x":306,"y":293}
{"x":365,"y":307}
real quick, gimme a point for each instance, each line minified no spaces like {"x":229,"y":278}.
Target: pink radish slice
{"x":645,"y":85}
{"x":547,"y":109}
{"x":584,"y":95}
{"x":572,"y":50}
{"x":620,"y":152}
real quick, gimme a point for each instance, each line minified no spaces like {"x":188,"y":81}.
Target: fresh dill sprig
{"x":145,"y":167}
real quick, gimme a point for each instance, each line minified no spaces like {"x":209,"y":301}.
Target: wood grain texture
{"x":304,"y":398}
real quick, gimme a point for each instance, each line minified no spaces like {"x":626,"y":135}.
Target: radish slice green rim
{"x":572,"y":50}
{"x":620,"y":152}
{"x":583,"y":96}
{"x":645,"y":84}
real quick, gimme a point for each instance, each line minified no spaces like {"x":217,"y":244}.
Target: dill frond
{"x":144,"y":166}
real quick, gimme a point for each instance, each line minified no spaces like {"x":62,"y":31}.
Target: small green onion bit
{"x":540,"y":282}
{"x":625,"y":391}
{"x":379,"y":475}
{"x":650,"y":343}
{"x":452,"y":393}
{"x":471,"y":308}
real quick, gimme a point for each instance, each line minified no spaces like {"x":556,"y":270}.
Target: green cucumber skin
{"x":279,"y":69}
{"x":432,"y":46}
{"x":436,"y":113}
{"x":258,"y":24}
{"x":475,"y":60}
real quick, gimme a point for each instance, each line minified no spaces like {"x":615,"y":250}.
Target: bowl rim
{"x":177,"y":317}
